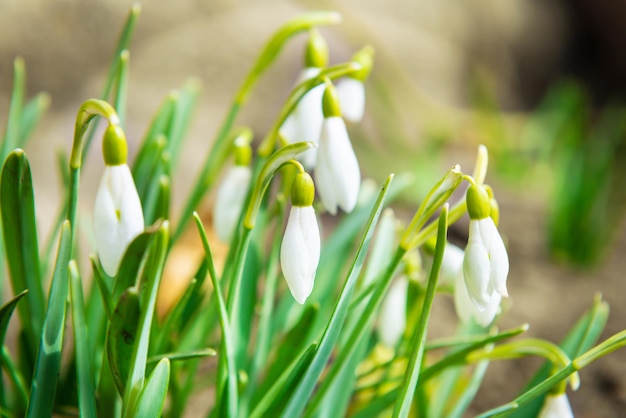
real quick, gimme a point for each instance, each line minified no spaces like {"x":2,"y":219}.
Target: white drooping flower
{"x":486,"y":263}
{"x":304,"y":123}
{"x":230,"y":198}
{"x":337,"y":173}
{"x":352,"y":98}
{"x":117,"y":217}
{"x":556,"y":406}
{"x":466,"y":309}
{"x":392,"y":319}
{"x":351,"y":89}
{"x":300,"y":249}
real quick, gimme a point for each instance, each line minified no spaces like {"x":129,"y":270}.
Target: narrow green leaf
{"x":407,"y":389}
{"x":84,"y":369}
{"x":48,"y":363}
{"x":298,"y":401}
{"x":20,"y":240}
{"x":6,"y":311}
{"x":16,"y":379}
{"x":12,"y":134}
{"x":32,"y":112}
{"x":181,"y":117}
{"x":122,"y":336}
{"x":121,"y":91}
{"x":207,"y":352}
{"x":274,"y":398}
{"x":152,"y":397}
{"x":148,"y":287}
{"x":131,"y":263}
{"x":226,"y":385}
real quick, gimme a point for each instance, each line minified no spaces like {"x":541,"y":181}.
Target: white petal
{"x":305,"y":122}
{"x":556,"y":406}
{"x":337,"y":175}
{"x":229,"y":201}
{"x":497,"y":256}
{"x":118,"y":217}
{"x":451,"y":265}
{"x":392,"y":319}
{"x":466,"y":309}
{"x":476,"y":268}
{"x":352,"y":98}
{"x":300,"y":252}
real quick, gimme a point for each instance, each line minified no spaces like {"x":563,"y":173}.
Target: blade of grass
{"x":48,"y":363}
{"x":84,"y":369}
{"x":152,"y":397}
{"x":298,"y":401}
{"x":12,"y":133}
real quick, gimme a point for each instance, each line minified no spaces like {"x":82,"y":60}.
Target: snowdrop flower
{"x":466,"y":309}
{"x":392,"y":319}
{"x":351,"y":90}
{"x":118,"y":217}
{"x":556,"y":406}
{"x":304,"y":124}
{"x":231,"y":194}
{"x":300,"y":249}
{"x":337,"y":172}
{"x":486,"y":263}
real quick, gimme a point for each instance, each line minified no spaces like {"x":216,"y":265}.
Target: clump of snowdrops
{"x":296,"y":323}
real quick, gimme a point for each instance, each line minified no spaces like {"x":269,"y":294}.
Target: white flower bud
{"x":352,"y":98}
{"x":229,"y":201}
{"x":556,"y":406}
{"x":300,"y":252}
{"x":337,"y":175}
{"x":118,"y":217}
{"x":392,"y":319}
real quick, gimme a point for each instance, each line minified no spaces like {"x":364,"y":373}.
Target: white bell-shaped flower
{"x":304,"y":123}
{"x":392,"y":319}
{"x":486,"y":263}
{"x":466,"y":309}
{"x":352,"y":98}
{"x":230,"y":198}
{"x":300,"y":249}
{"x":117,"y":217}
{"x":556,"y":406}
{"x":337,"y":173}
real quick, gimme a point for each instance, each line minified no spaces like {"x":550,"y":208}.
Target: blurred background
{"x":541,"y":82}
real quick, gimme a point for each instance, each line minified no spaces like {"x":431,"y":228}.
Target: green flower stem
{"x":482,"y":162}
{"x":269,"y":142}
{"x":429,"y":230}
{"x":606,"y":347}
{"x":437,"y":196}
{"x":273,"y":47}
{"x":86,"y":113}
{"x":525,"y":347}
{"x":405,"y":396}
{"x":217,"y":156}
{"x":122,"y":85}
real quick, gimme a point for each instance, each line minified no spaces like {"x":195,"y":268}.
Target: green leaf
{"x":32,"y":112}
{"x":148,"y":287}
{"x":226,"y":384}
{"x":5,"y":313}
{"x":207,"y":352}
{"x":84,"y":369}
{"x":131,"y":263}
{"x":48,"y":363}
{"x":152,"y":397}
{"x":20,"y":240}
{"x":298,"y":401}
{"x":407,"y":389}
{"x":181,"y":117}
{"x":12,"y":134}
{"x":274,"y":398}
{"x":122,"y":336}
{"x":121,"y":92}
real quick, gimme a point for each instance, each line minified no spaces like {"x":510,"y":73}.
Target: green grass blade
{"x":48,"y":363}
{"x":20,"y":240}
{"x":6,"y":311}
{"x":31,"y":114}
{"x":121,"y":91}
{"x":306,"y":385}
{"x":84,"y":367}
{"x":181,"y":117}
{"x":16,"y":379}
{"x":131,"y":264}
{"x":152,"y":397}
{"x":207,"y":352}
{"x":148,"y":288}
{"x":228,"y":386}
{"x":405,"y":395}
{"x":12,"y":133}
